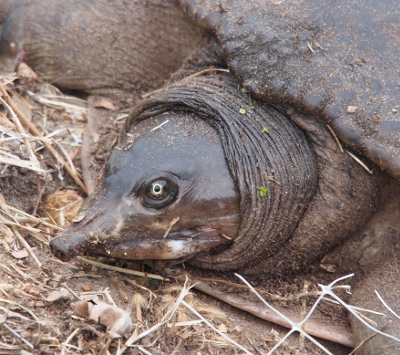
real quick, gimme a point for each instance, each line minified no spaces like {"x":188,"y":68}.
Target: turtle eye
{"x":158,"y":190}
{"x":159,"y":193}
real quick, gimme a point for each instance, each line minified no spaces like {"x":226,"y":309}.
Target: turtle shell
{"x":338,"y":60}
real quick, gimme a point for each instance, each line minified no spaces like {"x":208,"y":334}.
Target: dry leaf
{"x":62,"y":206}
{"x":222,"y":328}
{"x":104,"y":103}
{"x":81,"y":308}
{"x":23,"y":106}
{"x":62,"y":293}
{"x":25,"y":72}
{"x":328,"y":267}
{"x":116,"y":319}
{"x":7,"y":233}
{"x":20,"y":254}
{"x":3,"y":317}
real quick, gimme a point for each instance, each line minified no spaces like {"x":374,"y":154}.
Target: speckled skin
{"x":321,"y":56}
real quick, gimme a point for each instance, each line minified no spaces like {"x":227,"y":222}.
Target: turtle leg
{"x":110,"y":48}
{"x":386,"y":280}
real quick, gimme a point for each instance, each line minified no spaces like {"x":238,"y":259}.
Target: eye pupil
{"x":158,"y":189}
{"x":160,"y":193}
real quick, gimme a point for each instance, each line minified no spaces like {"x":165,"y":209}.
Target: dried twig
{"x":23,"y":241}
{"x":359,"y":162}
{"x":18,"y":336}
{"x":21,"y":131}
{"x":37,"y":320}
{"x":71,"y":291}
{"x":134,"y":338}
{"x":173,"y":222}
{"x":28,"y":248}
{"x":29,"y":217}
{"x":65,"y":344}
{"x":120,"y":269}
{"x":135,"y":284}
{"x":335,"y":137}
{"x":215,"y":329}
{"x":35,"y":131}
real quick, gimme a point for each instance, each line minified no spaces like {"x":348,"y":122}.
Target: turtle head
{"x":168,"y":194}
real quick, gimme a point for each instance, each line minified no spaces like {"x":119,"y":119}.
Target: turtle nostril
{"x":61,"y":250}
{"x":59,"y":253}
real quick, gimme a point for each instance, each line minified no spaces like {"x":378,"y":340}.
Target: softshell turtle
{"x":248,"y":158}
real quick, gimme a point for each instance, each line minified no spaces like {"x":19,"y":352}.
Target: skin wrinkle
{"x":234,"y":255}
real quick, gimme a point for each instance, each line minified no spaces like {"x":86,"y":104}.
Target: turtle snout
{"x":65,"y":248}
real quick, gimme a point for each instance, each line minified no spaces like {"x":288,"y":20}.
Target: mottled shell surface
{"x":337,"y":59}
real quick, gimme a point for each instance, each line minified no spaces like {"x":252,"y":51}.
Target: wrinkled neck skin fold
{"x":269,"y":158}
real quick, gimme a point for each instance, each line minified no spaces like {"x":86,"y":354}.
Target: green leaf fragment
{"x":243,"y":90}
{"x":263,"y":191}
{"x":242,"y":111}
{"x":265,"y":130}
